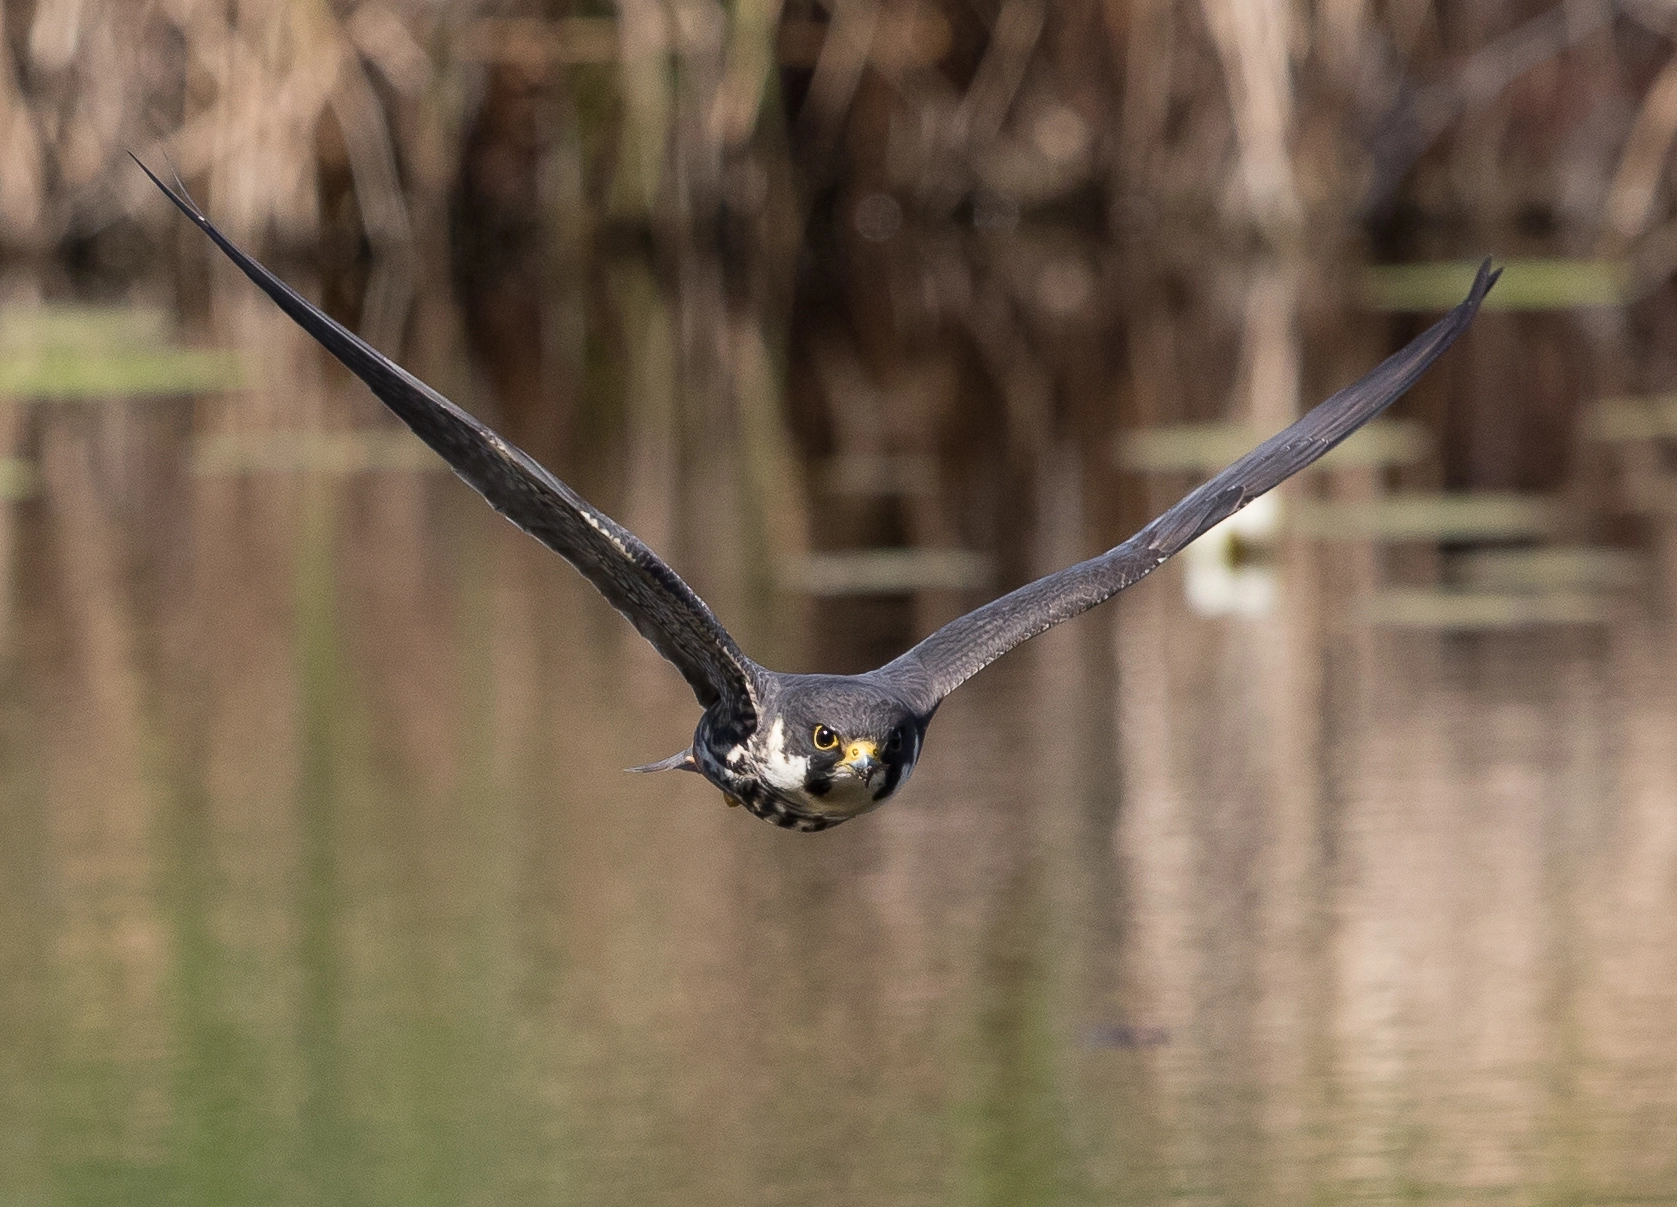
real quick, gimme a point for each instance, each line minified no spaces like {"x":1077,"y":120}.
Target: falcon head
{"x":816,"y":749}
{"x":829,"y":747}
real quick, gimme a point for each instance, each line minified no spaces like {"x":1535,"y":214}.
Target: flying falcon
{"x":807,"y":752}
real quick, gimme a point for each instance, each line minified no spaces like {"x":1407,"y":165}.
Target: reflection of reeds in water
{"x":1298,"y":932}
{"x":109,"y":945}
{"x":1170,"y":903}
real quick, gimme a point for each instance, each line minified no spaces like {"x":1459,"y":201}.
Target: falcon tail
{"x":676,"y":762}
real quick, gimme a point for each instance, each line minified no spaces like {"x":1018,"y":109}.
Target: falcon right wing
{"x":665,"y":610}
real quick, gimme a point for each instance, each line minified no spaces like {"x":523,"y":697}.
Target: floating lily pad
{"x":1533,"y":284}
{"x":1205,"y":448}
{"x":1627,"y":419}
{"x":1443,"y":608}
{"x":65,"y":376}
{"x":888,"y":571}
{"x":312,"y":452}
{"x":1552,"y":568}
{"x":75,"y":326}
{"x":17,"y":479}
{"x":1489,"y":516}
{"x":83,"y":353}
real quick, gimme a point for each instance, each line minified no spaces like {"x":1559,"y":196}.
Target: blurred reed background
{"x":1261,"y":115}
{"x":1335,"y":863}
{"x":1299,"y":124}
{"x":1004,"y":177}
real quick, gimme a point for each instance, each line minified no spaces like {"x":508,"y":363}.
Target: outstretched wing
{"x":963,"y":647}
{"x":638,"y":584}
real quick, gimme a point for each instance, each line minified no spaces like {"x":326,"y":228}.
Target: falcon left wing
{"x":965,"y":646}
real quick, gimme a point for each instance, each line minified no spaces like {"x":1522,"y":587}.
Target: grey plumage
{"x":763,"y":738}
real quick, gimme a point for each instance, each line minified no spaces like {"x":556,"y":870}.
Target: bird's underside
{"x":809,"y":751}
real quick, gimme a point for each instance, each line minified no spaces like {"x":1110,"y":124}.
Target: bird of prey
{"x":807,"y":752}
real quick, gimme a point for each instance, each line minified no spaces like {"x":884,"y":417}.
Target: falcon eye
{"x":894,"y":743}
{"x":825,"y":739}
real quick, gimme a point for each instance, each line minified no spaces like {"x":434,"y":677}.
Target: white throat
{"x":786,"y":772}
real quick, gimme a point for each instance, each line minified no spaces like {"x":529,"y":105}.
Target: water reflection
{"x":321,"y":881}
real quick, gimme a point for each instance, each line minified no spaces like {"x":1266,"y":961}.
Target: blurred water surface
{"x":320,"y":881}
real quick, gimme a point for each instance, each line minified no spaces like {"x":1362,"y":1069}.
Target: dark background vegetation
{"x":1001,"y":188}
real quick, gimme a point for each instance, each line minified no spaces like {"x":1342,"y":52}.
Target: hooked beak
{"x":862,"y":760}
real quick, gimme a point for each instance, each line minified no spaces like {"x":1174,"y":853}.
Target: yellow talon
{"x":733,"y":803}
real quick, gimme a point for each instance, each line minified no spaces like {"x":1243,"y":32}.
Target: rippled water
{"x":320,"y":881}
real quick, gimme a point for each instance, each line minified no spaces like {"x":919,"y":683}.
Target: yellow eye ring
{"x":825,"y":739}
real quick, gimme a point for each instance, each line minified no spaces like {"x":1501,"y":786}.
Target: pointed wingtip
{"x":149,"y":173}
{"x":182,"y":199}
{"x":1482,"y":282}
